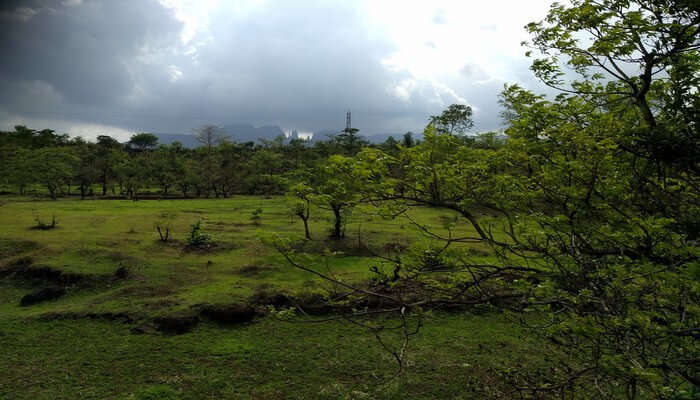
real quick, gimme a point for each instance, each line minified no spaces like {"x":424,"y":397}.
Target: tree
{"x":455,"y":120}
{"x":107,"y":149}
{"x":407,"y":140}
{"x":390,"y":145}
{"x":16,"y":167}
{"x":163,"y":166}
{"x":640,"y":53}
{"x":86,"y":172}
{"x":209,"y":136}
{"x":301,"y":204}
{"x":349,"y":142}
{"x":336,"y":187}
{"x":594,"y":219}
{"x":186,"y":176}
{"x":143,"y":141}
{"x":134,"y":173}
{"x":54,"y":167}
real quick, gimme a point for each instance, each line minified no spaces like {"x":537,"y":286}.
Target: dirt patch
{"x":270,"y":297}
{"x":145,"y":291}
{"x":229,"y":313}
{"x":215,"y":247}
{"x":176,"y":324}
{"x":40,"y":296}
{"x":253,"y":270}
{"x":308,"y":302}
{"x":122,"y":272}
{"x":24,"y":270}
{"x":108,"y":316}
{"x":347,"y":246}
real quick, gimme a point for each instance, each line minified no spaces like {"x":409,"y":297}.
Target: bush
{"x":197,"y":237}
{"x":44,"y":226}
{"x":255,"y":216}
{"x":163,"y":226}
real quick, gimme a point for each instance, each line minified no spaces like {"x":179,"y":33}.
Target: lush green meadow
{"x":88,"y":343}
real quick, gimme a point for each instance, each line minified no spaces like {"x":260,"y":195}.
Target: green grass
{"x":456,"y":356}
{"x":95,"y":237}
{"x":74,"y":357}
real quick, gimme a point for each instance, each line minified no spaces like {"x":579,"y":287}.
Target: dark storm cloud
{"x":123,"y":63}
{"x":83,"y":52}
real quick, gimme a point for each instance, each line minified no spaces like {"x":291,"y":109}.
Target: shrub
{"x":44,"y":226}
{"x":197,"y":237}
{"x":255,"y":216}
{"x":163,"y":232}
{"x":163,"y":226}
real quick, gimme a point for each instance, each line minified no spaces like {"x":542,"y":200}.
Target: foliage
{"x":300,"y":198}
{"x":45,"y":226}
{"x":143,"y":141}
{"x":197,"y":237}
{"x":455,"y":120}
{"x":255,"y":216}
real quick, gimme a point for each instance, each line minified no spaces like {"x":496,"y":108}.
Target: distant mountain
{"x":189,"y":141}
{"x":249,"y":133}
{"x":323,"y":134}
{"x":382,"y":137}
{"x":234,"y":132}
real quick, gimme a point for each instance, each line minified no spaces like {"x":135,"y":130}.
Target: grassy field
{"x":88,"y":343}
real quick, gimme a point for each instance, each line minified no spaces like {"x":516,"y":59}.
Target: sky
{"x":92,"y":67}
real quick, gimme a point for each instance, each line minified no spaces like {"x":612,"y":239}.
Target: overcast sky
{"x":114,"y":67}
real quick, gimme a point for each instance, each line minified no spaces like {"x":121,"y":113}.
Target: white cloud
{"x":174,"y":73}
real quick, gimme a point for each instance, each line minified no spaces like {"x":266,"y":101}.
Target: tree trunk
{"x":307,"y":234}
{"x":52,"y":191}
{"x":338,"y":226}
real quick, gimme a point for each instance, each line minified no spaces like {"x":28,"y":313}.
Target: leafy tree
{"x":25,"y":137}
{"x":638,"y":53}
{"x":16,"y":167}
{"x":348,"y":141}
{"x":143,"y":141}
{"x":164,"y":166}
{"x":301,"y":204}
{"x":134,"y":173}
{"x":390,"y":145}
{"x":407,"y":140}
{"x":594,"y":223}
{"x":336,"y":188}
{"x":266,"y":176}
{"x":186,"y":174}
{"x":455,"y":120}
{"x":209,"y":136}
{"x":107,"y":155}
{"x":54,"y":167}
{"x":86,"y":170}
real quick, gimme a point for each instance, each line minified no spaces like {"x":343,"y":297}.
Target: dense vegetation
{"x":583,"y":225}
